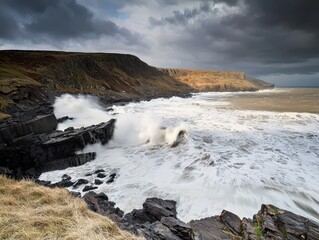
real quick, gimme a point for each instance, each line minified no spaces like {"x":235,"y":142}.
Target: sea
{"x":240,"y":150}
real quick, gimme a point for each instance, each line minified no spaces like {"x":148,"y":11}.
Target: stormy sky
{"x":274,"y":40}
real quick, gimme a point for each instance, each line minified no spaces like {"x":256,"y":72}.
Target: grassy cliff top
{"x":30,"y":211}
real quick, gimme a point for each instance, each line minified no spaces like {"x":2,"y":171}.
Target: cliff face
{"x":28,"y":78}
{"x":209,"y":80}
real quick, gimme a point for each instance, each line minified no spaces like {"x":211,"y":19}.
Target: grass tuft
{"x":30,"y":211}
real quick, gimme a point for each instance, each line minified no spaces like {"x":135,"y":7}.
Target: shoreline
{"x":142,"y":221}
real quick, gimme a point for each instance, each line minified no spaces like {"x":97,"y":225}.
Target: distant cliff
{"x":29,"y":78}
{"x":212,"y":80}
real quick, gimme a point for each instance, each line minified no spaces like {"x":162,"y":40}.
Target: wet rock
{"x":210,"y":229}
{"x":179,"y":228}
{"x":66,"y":177}
{"x":98,"y":182}
{"x":99,"y":203}
{"x":159,"y":208}
{"x":99,"y":171}
{"x":63,"y":184}
{"x":101,"y":175}
{"x":232,"y":221}
{"x":88,"y":188}
{"x":80,"y":182}
{"x":63,"y":119}
{"x":111,"y":178}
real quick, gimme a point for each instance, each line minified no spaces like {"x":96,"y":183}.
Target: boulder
{"x":80,"y":182}
{"x":179,"y":228}
{"x":232,"y":221}
{"x":210,"y":228}
{"x":159,"y":208}
{"x":88,"y":188}
{"x":157,"y":231}
{"x":98,"y":182}
{"x":100,"y":204}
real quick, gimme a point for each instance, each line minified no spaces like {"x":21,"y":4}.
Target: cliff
{"x":212,"y":80}
{"x":31,"y":78}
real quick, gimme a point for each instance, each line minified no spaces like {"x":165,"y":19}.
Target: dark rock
{"x":63,"y":184}
{"x":157,"y":231}
{"x":232,"y":221}
{"x":40,"y":124}
{"x":69,"y":129}
{"x":80,"y":182}
{"x":73,"y":161}
{"x":269,"y":228}
{"x":313,"y":230}
{"x":139,"y":217}
{"x":99,"y":203}
{"x":29,"y":147}
{"x":66,"y":177}
{"x":5,"y":171}
{"x":88,"y":174}
{"x":101,"y":175}
{"x":159,"y":208}
{"x":63,"y":119}
{"x":75,"y":194}
{"x":88,"y":188}
{"x":111,"y":178}
{"x":179,"y":228}
{"x":210,"y":229}
{"x":98,"y":182}
{"x":102,"y":196}
{"x":99,"y":171}
{"x":293,"y":226}
{"x":43,"y":183}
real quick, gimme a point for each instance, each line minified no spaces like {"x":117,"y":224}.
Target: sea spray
{"x":130,"y":129}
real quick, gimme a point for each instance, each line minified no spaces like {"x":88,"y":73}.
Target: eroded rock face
{"x":32,"y":147}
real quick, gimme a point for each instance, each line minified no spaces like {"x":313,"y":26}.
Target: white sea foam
{"x":231,"y":159}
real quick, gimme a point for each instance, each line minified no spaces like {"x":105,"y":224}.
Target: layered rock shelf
{"x":29,"y":148}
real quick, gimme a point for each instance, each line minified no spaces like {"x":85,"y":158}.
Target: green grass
{"x":258,"y":229}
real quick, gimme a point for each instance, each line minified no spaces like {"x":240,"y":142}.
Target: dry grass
{"x":30,"y":211}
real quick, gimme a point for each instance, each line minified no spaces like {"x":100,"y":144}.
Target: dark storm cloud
{"x":265,"y":33}
{"x":58,"y":19}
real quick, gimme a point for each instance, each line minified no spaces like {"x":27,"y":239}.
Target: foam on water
{"x":231,"y":159}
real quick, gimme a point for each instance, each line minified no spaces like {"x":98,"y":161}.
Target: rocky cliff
{"x":31,"y":79}
{"x":212,"y":80}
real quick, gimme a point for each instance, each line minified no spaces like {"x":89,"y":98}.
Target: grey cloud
{"x":264,"y":37}
{"x":59,"y":19}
